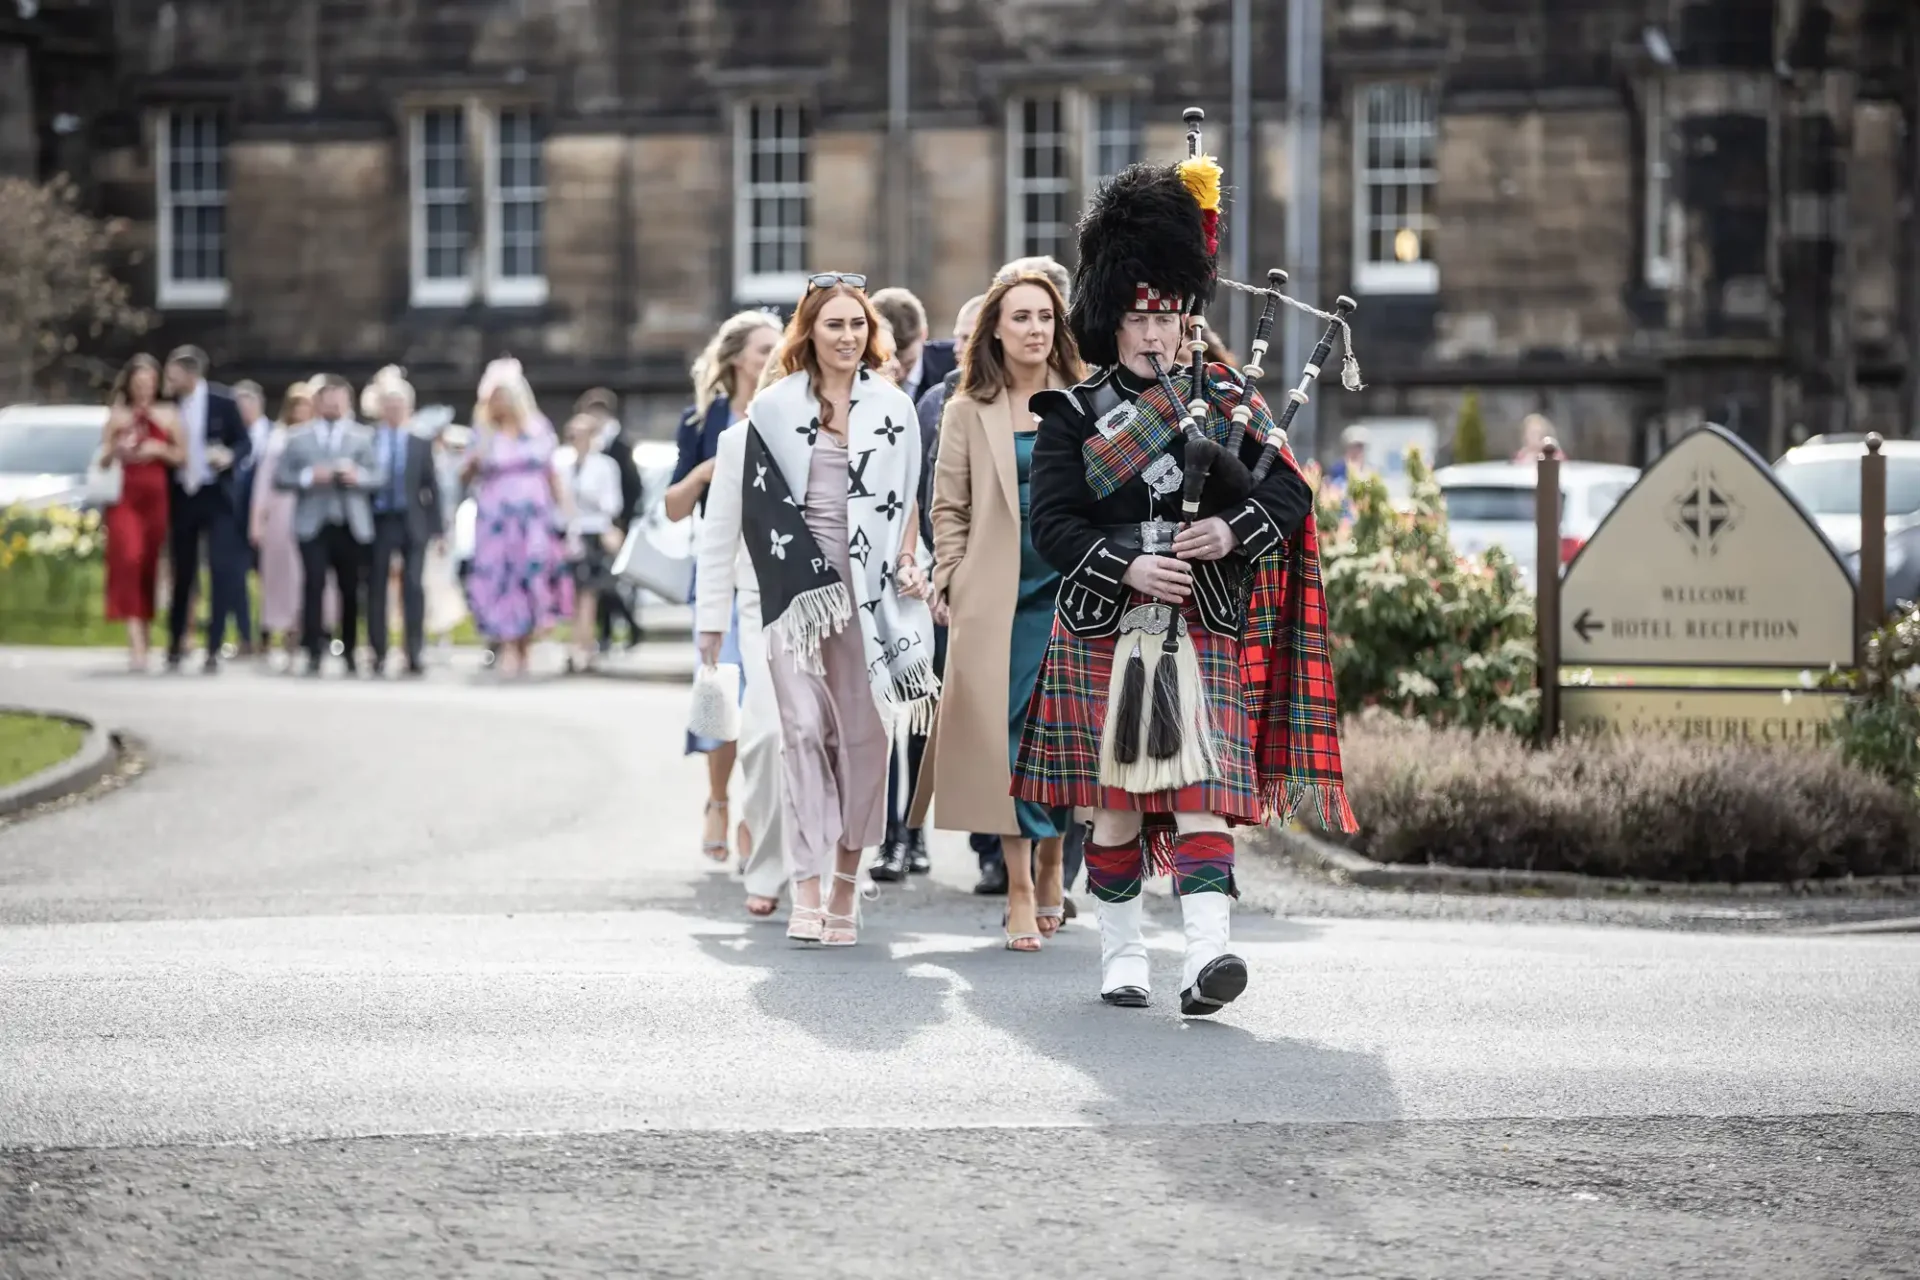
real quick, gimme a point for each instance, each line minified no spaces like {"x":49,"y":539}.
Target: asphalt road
{"x":430,"y":979}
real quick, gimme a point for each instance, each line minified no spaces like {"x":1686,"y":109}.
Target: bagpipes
{"x":1173,"y":745}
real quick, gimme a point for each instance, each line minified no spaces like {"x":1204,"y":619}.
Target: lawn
{"x":67,"y":606}
{"x":29,"y":744}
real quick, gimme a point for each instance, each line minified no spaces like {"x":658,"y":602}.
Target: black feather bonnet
{"x":1142,"y":228}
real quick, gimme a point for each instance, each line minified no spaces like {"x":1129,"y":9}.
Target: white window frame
{"x":445,"y":291}
{"x":1100,"y":138}
{"x":1418,"y":114}
{"x":1661,"y":218}
{"x":1020,"y":186}
{"x":502,"y":289}
{"x":169,"y":291}
{"x":770,"y":286}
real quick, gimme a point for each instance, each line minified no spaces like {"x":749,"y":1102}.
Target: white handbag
{"x":642,"y":563}
{"x":715,"y":713}
{"x":106,"y":479}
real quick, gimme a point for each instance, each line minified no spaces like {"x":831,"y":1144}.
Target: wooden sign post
{"x":1546,"y":601}
{"x":1873,"y":542}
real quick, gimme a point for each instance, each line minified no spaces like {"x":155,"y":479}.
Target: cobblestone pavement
{"x":430,"y":979}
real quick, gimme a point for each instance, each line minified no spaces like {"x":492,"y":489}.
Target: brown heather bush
{"x":1648,"y":808}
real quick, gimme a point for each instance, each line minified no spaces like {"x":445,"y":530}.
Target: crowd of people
{"x":339,"y":508}
{"x":966,"y":584}
{"x":1050,"y":581}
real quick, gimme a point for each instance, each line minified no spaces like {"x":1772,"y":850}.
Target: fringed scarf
{"x":802,"y":597}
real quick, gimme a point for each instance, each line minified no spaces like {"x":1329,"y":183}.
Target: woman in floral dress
{"x":520,"y":584}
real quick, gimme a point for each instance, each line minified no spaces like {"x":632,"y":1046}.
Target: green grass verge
{"x":30,"y":743}
{"x":68,"y":609}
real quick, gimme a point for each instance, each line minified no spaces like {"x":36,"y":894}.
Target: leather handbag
{"x":106,"y":480}
{"x":644,"y":564}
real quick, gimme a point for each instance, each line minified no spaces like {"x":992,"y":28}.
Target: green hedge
{"x":1654,"y":808}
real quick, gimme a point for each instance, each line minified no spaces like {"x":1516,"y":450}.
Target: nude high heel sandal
{"x":840,"y":930}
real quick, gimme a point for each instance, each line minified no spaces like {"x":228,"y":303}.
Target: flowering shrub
{"x":51,"y":572}
{"x":1880,"y":729}
{"x":1416,"y":628}
{"x":57,"y":534}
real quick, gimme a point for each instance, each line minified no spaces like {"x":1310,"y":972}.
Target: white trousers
{"x":758,"y":761}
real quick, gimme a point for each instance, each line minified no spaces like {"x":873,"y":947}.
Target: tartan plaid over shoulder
{"x":1286,"y":675}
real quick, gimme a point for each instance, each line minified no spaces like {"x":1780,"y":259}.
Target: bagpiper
{"x":1186,"y":688}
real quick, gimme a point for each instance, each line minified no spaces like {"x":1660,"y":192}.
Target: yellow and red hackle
{"x":1201,"y":175}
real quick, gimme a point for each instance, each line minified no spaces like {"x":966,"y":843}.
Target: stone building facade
{"x":1631,"y":215}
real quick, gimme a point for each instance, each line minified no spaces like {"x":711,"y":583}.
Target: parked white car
{"x":1824,"y":475}
{"x":44,"y":452}
{"x":1491,"y":504}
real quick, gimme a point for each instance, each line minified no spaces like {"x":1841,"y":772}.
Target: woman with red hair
{"x":829,"y":515}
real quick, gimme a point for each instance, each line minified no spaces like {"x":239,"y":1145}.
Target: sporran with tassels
{"x":1159,"y":735}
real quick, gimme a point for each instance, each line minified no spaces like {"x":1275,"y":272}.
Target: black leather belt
{"x":1140,"y":536}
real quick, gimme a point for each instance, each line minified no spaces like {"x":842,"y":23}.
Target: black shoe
{"x":415,"y":667}
{"x":313,"y":666}
{"x":1125,"y":997}
{"x":379,"y":667}
{"x":1070,"y":911}
{"x":211,"y":666}
{"x":891,"y":868}
{"x":919,"y":863}
{"x":173,"y":664}
{"x":353,"y":668}
{"x":993,"y":880}
{"x":1218,"y":985}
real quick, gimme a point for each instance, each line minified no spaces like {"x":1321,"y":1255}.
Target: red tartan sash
{"x":1286,"y":676}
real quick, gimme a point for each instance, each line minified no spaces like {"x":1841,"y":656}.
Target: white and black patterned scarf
{"x":801,"y":594}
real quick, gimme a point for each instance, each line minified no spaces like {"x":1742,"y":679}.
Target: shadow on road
{"x":1156,"y":1076}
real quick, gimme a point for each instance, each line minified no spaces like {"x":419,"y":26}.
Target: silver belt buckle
{"x":1156,"y":536}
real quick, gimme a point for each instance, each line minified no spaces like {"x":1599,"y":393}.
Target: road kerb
{"x":92,"y":762}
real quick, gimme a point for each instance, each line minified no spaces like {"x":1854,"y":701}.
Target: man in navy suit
{"x":203,"y":504}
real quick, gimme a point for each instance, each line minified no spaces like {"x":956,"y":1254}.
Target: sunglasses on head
{"x":828,"y":279}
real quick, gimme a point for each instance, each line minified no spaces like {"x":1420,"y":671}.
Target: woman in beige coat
{"x":995,"y":593}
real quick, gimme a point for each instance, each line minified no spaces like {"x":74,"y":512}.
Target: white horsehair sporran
{"x":1159,"y":733}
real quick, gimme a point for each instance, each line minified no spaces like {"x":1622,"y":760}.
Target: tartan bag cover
{"x":1153,"y":423}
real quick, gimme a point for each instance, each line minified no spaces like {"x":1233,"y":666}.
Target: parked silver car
{"x":1491,"y":504}
{"x":44,"y":453}
{"x":1824,"y":475}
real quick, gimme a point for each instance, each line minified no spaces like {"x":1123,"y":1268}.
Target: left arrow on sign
{"x":1586,"y":624}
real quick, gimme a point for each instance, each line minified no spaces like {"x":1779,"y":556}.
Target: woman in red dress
{"x":144,"y":436}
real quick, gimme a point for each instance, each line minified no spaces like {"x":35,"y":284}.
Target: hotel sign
{"x":1707,"y":562}
{"x":1770,"y":716}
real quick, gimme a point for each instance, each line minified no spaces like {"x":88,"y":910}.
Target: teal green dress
{"x":1032,"y":627}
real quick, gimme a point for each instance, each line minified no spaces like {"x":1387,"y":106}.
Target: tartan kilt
{"x":1059,"y":758}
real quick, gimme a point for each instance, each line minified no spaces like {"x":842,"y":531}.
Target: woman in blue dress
{"x":724,"y":379}
{"x":996,"y":595}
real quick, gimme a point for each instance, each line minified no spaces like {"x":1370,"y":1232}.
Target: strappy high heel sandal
{"x":806,"y":924}
{"x":1014,"y":939}
{"x":847,"y":925}
{"x":716,"y":849}
{"x":1056,"y":913}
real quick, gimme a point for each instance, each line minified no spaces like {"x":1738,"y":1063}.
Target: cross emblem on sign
{"x":1704,"y":512}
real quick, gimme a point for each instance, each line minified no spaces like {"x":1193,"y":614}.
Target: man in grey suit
{"x":406,"y":517}
{"x":334,"y":465}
